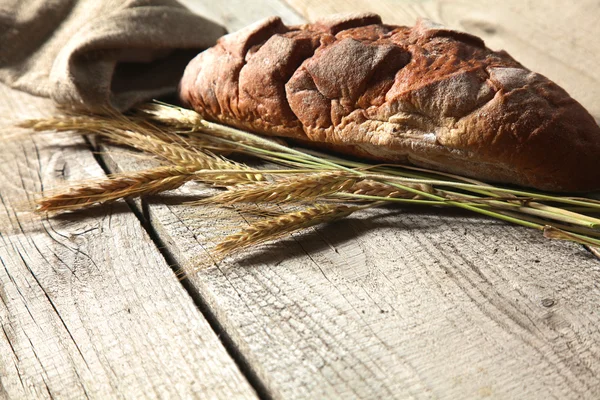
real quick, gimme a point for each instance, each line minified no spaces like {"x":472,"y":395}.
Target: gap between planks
{"x":140,"y":209}
{"x":83,"y":296}
{"x":447,"y":289}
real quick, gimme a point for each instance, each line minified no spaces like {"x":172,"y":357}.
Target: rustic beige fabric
{"x":98,"y":53}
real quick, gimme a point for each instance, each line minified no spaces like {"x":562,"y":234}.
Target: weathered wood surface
{"x":394,"y":303}
{"x":88,"y":306}
{"x":412,"y":303}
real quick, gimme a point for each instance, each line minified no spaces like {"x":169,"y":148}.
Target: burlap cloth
{"x":98,"y":53}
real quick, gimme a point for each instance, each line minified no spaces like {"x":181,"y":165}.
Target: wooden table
{"x":391,"y":303}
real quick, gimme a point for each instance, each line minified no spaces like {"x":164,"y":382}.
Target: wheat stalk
{"x":124,"y":185}
{"x":193,"y":123}
{"x":116,"y":127}
{"x":372,"y":188}
{"x":315,"y":176}
{"x":176,"y":117}
{"x":274,"y":228}
{"x":150,"y":139}
{"x":127,"y":137}
{"x":62,"y":123}
{"x":180,"y":156}
{"x":294,"y":188}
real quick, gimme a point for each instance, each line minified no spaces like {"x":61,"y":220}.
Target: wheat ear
{"x":274,"y":228}
{"x":369,"y":187}
{"x":176,"y":154}
{"x":192,"y":123}
{"x":124,"y":185}
{"x":172,"y":116}
{"x":291,"y":188}
{"x":147,"y":137}
{"x":63,"y":123}
{"x":114,"y":126}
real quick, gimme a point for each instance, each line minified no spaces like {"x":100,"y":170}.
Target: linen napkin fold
{"x":96,"y":53}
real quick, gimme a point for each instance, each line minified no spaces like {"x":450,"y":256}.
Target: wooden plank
{"x":235,"y":14}
{"x":399,"y":302}
{"x":89,"y":308}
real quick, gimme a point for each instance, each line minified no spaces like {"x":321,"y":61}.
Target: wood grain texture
{"x":235,"y":14}
{"x":401,"y":302}
{"x":88,"y":306}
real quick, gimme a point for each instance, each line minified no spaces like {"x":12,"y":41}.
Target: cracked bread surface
{"x":424,"y":95}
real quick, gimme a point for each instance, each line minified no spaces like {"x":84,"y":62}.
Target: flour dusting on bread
{"x":428,"y":95}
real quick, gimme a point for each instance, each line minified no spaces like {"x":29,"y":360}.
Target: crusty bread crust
{"x":425,"y":95}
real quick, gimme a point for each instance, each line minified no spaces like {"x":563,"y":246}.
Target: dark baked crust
{"x":426,"y":95}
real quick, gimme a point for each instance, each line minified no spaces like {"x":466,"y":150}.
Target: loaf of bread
{"x":424,"y":95}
